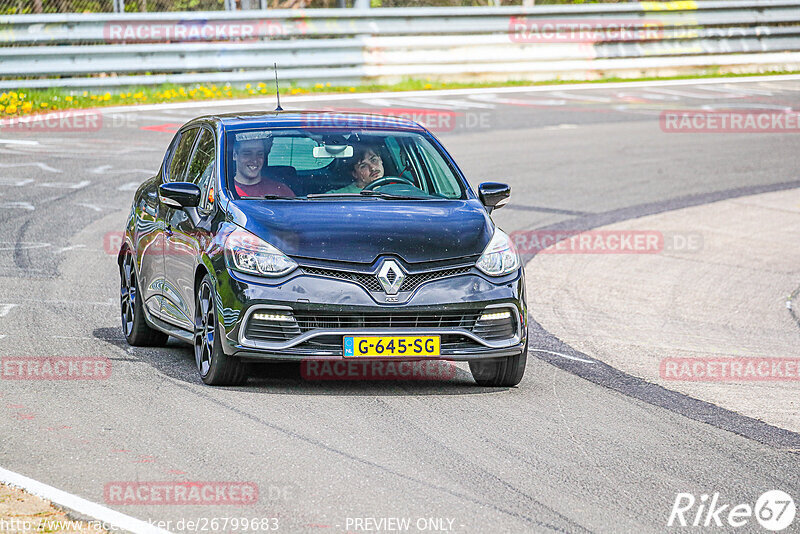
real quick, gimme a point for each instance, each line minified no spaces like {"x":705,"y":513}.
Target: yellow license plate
{"x":389,"y":346}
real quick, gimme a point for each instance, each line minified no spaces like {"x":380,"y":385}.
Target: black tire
{"x":134,"y":325}
{"x":213,"y":365}
{"x":502,"y":372}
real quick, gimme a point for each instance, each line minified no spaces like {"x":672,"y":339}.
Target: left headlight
{"x":500,"y":256}
{"x":247,"y":253}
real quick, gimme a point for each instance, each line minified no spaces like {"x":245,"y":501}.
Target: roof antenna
{"x":277,"y":90}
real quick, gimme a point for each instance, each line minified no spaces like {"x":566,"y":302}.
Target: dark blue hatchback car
{"x":308,"y":235}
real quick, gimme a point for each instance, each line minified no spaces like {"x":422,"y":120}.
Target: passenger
{"x":365,"y":167}
{"x":250,"y":157}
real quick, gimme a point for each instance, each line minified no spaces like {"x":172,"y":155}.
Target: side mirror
{"x":179,"y":195}
{"x":494,"y":195}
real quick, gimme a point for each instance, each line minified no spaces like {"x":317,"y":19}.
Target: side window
{"x":169,"y":154}
{"x":201,"y":168}
{"x":177,"y":167}
{"x":443,"y":180}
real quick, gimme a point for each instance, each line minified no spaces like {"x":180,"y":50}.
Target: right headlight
{"x":500,"y":256}
{"x":247,"y":253}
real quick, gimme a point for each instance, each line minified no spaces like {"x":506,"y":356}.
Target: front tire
{"x":502,"y":372}
{"x":134,"y":326}
{"x":214,"y":366}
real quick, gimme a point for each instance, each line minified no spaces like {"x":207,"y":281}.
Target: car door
{"x":184,"y":240}
{"x":149,"y":236}
{"x":175,"y":173}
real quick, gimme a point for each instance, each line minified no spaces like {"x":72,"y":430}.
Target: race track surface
{"x":562,"y":452}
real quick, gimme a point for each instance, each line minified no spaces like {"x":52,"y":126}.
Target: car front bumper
{"x":324,"y":309}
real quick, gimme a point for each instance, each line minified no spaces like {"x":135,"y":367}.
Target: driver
{"x":366,"y":166}
{"x":250,"y":156}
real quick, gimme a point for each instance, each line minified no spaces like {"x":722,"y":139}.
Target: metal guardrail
{"x":387,"y":45}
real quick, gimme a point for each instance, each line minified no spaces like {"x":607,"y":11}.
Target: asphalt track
{"x":569,"y":450}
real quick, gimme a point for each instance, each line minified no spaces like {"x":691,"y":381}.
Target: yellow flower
{"x":428,"y":86}
{"x":122,"y":95}
{"x":107,"y":96}
{"x":43,"y":105}
{"x":248,"y":86}
{"x":68,"y":98}
{"x":262,"y":84}
{"x":13,"y":95}
{"x":27,"y":107}
{"x":2,"y":107}
{"x":328,"y":84}
{"x":86,"y":93}
{"x":352,"y":89}
{"x":21,"y":96}
{"x":11,"y":109}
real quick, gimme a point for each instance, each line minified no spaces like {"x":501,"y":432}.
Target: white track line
{"x":79,"y":505}
{"x":17,"y":142}
{"x":567,"y":356}
{"x":270,"y":100}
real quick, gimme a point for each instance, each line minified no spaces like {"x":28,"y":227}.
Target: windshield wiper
{"x":365,"y":193}
{"x":332,"y":195}
{"x":381,"y":194}
{"x":277,"y":197}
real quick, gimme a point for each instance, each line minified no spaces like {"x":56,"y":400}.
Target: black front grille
{"x":310,"y":321}
{"x":413,"y":281}
{"x":371,"y":283}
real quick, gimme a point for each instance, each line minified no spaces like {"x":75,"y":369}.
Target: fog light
{"x":495,"y":316}
{"x":272,"y":317}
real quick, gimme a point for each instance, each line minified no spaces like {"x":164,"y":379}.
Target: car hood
{"x":361,"y":230}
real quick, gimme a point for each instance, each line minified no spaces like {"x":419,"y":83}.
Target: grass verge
{"x":25,"y":102}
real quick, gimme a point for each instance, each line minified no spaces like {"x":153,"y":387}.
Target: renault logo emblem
{"x":391,"y":277}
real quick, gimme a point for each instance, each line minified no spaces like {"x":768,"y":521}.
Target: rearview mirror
{"x":333,"y":151}
{"x":179,"y":195}
{"x":494,"y":195}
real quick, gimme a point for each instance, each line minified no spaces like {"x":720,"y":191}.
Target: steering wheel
{"x":388,"y":180}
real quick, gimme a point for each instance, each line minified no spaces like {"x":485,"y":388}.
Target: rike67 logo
{"x":774,"y":510}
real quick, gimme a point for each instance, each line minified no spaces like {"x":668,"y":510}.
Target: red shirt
{"x":265,"y":187}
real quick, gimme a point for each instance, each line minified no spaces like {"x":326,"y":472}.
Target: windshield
{"x":337,"y":163}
